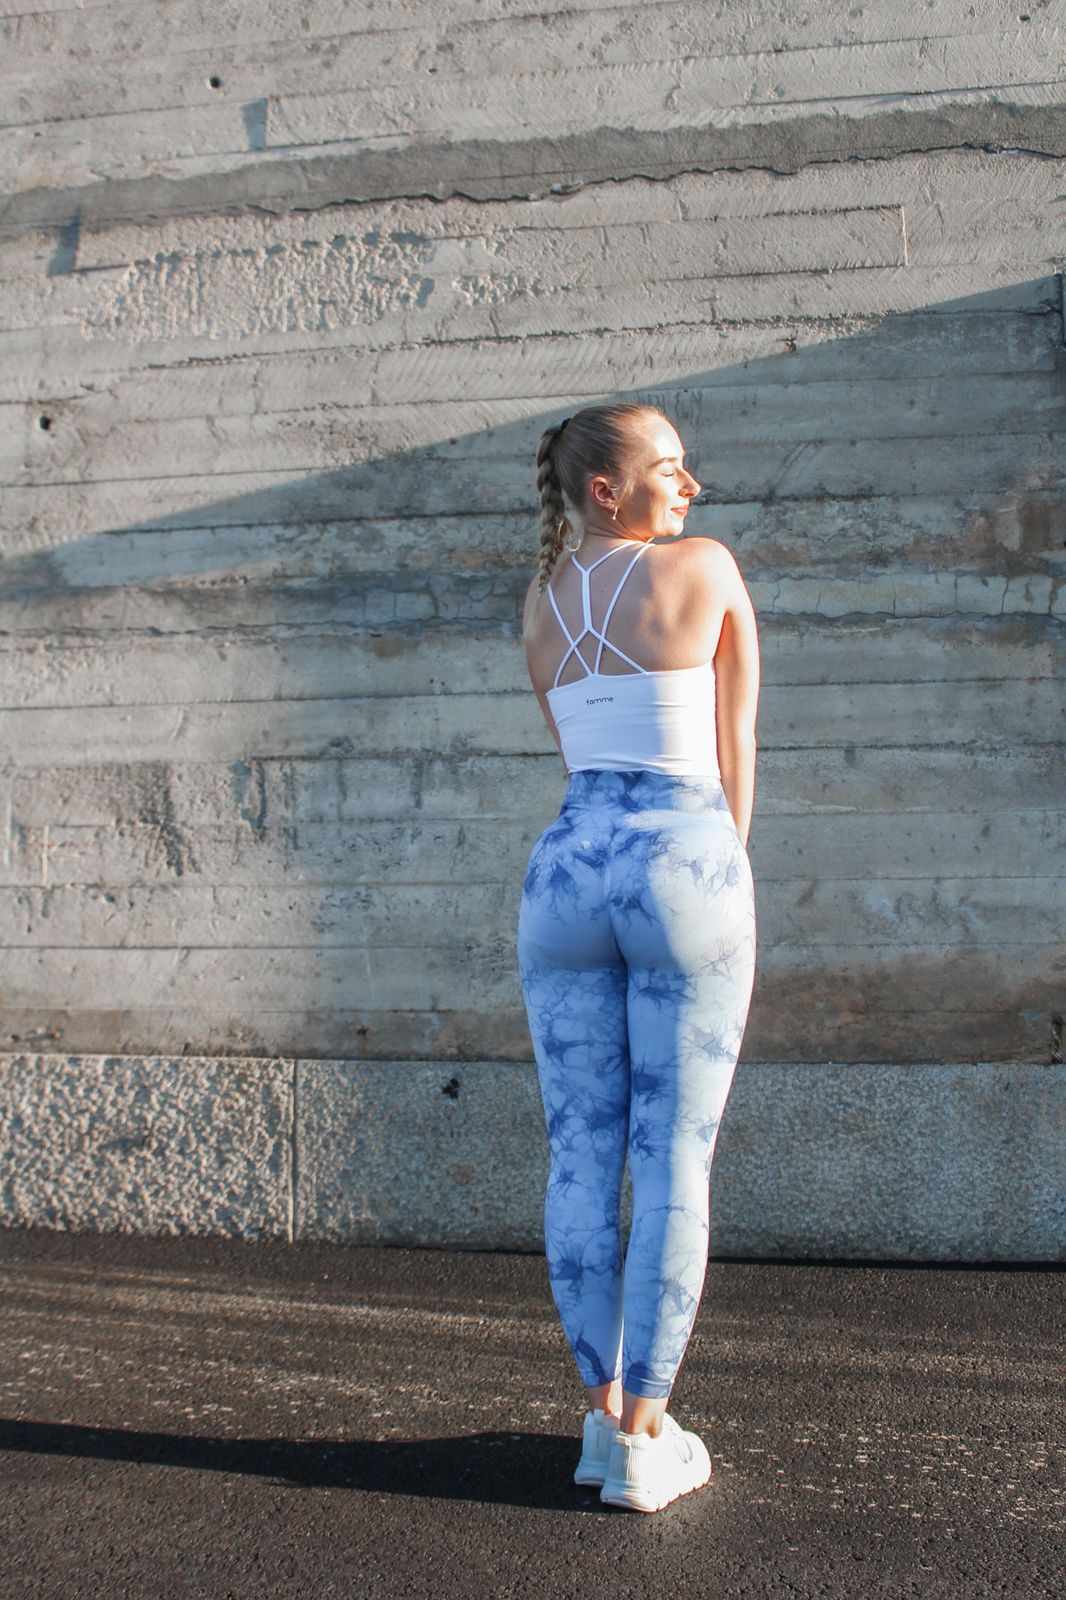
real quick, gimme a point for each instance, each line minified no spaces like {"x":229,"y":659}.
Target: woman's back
{"x":623,"y":656}
{"x":665,"y":614}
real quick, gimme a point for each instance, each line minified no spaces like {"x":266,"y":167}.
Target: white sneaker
{"x":645,"y":1474}
{"x":597,"y":1437}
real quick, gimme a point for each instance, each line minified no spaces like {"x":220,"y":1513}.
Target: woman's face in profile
{"x":662,"y":486}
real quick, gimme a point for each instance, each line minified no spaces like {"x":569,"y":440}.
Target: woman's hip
{"x":640,"y":789}
{"x":643,"y":851}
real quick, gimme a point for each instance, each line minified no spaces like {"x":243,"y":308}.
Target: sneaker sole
{"x":630,"y":1498}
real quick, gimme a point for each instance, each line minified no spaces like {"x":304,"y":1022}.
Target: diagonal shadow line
{"x":762,"y":434}
{"x":445,"y":477}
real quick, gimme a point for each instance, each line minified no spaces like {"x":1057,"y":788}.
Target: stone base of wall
{"x":958,"y":1162}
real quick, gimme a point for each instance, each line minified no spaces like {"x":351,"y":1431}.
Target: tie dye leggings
{"x":636,"y":956}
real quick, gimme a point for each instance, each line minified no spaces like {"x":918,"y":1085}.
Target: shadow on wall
{"x":274,"y":766}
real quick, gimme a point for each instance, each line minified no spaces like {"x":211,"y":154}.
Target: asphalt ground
{"x":203,"y":1417}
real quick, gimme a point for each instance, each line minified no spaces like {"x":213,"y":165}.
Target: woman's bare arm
{"x":736,"y":666}
{"x":542,"y":698}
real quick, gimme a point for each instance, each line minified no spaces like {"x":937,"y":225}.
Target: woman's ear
{"x":600,"y":491}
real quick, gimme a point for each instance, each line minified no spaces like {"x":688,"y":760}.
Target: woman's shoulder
{"x":699,"y":547}
{"x":531,"y":593}
{"x":709,"y":567}
{"x":700,"y":552}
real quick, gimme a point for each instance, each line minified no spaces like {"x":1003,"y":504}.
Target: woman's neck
{"x":591,"y":535}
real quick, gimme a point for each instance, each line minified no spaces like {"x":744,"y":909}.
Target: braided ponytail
{"x":554,"y":522}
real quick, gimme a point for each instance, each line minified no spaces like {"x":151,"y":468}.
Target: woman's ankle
{"x":643,"y":1414}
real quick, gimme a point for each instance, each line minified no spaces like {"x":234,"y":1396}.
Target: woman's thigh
{"x":575,"y":986}
{"x":683,"y":912}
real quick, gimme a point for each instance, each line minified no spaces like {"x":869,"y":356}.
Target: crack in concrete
{"x":541,"y":167}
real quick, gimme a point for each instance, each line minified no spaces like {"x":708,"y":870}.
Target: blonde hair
{"x":596,"y":439}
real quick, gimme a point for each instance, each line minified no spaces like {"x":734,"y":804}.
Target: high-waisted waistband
{"x":641,"y":789}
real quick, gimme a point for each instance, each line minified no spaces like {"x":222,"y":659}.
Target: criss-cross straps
{"x":586,"y":607}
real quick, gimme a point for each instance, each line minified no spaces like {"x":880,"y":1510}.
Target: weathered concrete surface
{"x":288,"y":295}
{"x":814,"y":1160}
{"x":453,"y":102}
{"x":915,"y":1163}
{"x":146,"y":1145}
{"x":202,"y":1418}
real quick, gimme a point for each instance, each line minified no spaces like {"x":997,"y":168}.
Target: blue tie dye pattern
{"x":636,"y":956}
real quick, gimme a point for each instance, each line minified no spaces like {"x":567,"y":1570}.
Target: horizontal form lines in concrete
{"x":283,"y":312}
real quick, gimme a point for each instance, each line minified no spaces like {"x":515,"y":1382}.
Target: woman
{"x":636,"y":932}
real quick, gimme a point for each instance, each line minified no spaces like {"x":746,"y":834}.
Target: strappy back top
{"x":663,"y":721}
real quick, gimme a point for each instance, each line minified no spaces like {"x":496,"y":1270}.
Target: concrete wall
{"x":288,"y":293}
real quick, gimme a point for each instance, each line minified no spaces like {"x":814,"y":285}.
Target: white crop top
{"x":663,"y":721}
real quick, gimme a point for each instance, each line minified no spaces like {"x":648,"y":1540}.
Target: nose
{"x":695,"y":485}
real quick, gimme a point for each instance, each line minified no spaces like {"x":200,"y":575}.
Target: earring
{"x":614,"y":513}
